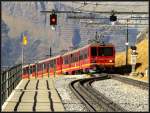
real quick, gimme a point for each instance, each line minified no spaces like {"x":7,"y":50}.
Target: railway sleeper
{"x":92,"y":97}
{"x":80,"y":97}
{"x":93,"y":103}
{"x":98,"y":96}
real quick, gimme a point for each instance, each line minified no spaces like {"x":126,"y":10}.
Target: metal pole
{"x":22,"y":59}
{"x":50,"y":51}
{"x":48,"y":70}
{"x":7,"y":92}
{"x":127,"y":45}
{"x":133,"y":68}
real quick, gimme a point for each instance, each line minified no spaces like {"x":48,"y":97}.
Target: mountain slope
{"x":142,"y":57}
{"x":20,"y":17}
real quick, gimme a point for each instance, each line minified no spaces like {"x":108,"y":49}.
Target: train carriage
{"x":90,"y":58}
{"x":32,"y":71}
{"x":25,"y":71}
{"x":43,"y":67}
{"x":58,"y":65}
{"x":29,"y":71}
{"x":102,"y":57}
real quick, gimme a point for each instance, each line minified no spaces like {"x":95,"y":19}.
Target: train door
{"x":48,"y":68}
{"x":61,"y":62}
{"x":25,"y":72}
{"x":33,"y":71}
{"x":59,"y":65}
{"x":36,"y":70}
{"x":30,"y":71}
{"x":39,"y":70}
{"x":54,"y":67}
{"x":44,"y":69}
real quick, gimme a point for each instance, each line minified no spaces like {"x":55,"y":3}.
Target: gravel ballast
{"x":127,"y":96}
{"x":69,"y":100}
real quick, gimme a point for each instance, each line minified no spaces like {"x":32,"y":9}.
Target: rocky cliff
{"x":25,"y":17}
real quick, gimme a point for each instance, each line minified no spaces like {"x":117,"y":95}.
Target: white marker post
{"x":133,"y":58}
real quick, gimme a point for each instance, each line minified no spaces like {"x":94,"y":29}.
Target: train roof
{"x":44,"y":60}
{"x":92,"y":44}
{"x":73,"y":51}
{"x":28,"y":65}
{"x":48,"y":59}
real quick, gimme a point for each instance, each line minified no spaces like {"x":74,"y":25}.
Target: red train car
{"x":42,"y":68}
{"x":25,"y":71}
{"x":90,"y":58}
{"x":29,"y":71}
{"x":46,"y":67}
{"x":55,"y":65}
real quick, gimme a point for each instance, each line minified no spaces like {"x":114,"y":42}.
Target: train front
{"x":102,"y":58}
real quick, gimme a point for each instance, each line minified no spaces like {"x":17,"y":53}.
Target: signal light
{"x":113,"y":18}
{"x":133,"y":47}
{"x":53,"y":19}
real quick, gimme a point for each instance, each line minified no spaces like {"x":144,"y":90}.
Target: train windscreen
{"x":94,"y":51}
{"x":105,"y":51}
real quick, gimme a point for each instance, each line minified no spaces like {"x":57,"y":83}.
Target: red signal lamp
{"x":53,"y":19}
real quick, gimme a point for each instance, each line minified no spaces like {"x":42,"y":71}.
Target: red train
{"x":92,"y":57}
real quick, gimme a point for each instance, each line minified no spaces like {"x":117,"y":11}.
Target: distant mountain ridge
{"x":18,"y":17}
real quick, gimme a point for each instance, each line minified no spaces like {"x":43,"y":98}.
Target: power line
{"x":121,"y":4}
{"x":100,"y":12}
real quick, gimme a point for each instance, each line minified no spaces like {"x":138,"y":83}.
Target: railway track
{"x":93,"y":100}
{"x":140,"y":84}
{"x":130,"y":94}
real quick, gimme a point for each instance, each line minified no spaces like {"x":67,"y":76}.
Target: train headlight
{"x":110,"y":60}
{"x":93,"y":61}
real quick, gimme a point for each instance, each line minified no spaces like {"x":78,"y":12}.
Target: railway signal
{"x":53,"y":19}
{"x":133,"y":58}
{"x":113,"y":18}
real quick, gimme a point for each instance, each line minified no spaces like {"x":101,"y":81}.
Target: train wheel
{"x":73,"y":72}
{"x":81,"y":71}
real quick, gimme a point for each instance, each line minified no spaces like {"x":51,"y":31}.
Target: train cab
{"x":102,"y":56}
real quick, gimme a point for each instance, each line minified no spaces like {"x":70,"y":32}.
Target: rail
{"x":93,"y":100}
{"x":9,"y":80}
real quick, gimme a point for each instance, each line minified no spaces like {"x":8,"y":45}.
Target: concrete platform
{"x":36,"y":95}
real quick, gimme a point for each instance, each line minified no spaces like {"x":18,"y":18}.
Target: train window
{"x":58,"y":61}
{"x":54,"y":62}
{"x":27,"y":70}
{"x":24,"y":71}
{"x":44,"y":66}
{"x":48,"y":65}
{"x":85,"y":54}
{"x":76,"y":58}
{"x":105,"y":51}
{"x":33,"y":68}
{"x":37,"y":67}
{"x":63,"y":61}
{"x":93,"y":51}
{"x":80,"y":57}
{"x":40,"y":67}
{"x":67,"y":60}
{"x":72,"y":58}
{"x":51,"y":63}
{"x":30,"y":70}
